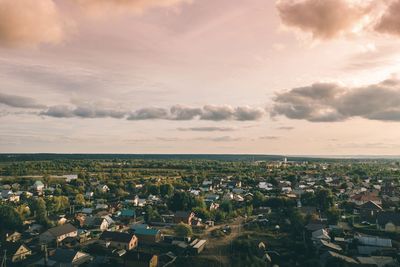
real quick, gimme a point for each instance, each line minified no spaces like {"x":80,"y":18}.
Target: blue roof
{"x":128,"y":213}
{"x":144,"y":231}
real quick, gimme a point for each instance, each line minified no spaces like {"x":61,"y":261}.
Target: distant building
{"x":128,"y":215}
{"x":119,"y":240}
{"x":58,"y":233}
{"x":16,"y":251}
{"x":147,"y":235}
{"x":65,"y":257}
{"x":38,"y":187}
{"x":99,"y":223}
{"x":369,"y":211}
{"x":13,"y":236}
{"x":365,"y":197}
{"x":103,"y":188}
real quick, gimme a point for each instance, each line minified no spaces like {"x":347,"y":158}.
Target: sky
{"x":289,"y":77}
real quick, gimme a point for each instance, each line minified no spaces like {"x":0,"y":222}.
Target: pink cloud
{"x":324,"y":19}
{"x":112,"y":7}
{"x":30,"y":22}
{"x":390,"y":21}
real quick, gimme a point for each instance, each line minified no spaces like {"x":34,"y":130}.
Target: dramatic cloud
{"x":109,"y":7}
{"x":219,"y":113}
{"x":323,"y":18}
{"x":177,"y":112}
{"x":184,"y":113}
{"x":19,"y":101}
{"x":82,"y":112}
{"x":390,"y":21}
{"x":248,"y":113}
{"x":33,"y":22}
{"x":149,"y":114}
{"x":30,"y":22}
{"x":208,"y":129}
{"x":324,"y":102}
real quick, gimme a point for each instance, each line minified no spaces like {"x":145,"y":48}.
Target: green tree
{"x":324,"y":198}
{"x":80,"y":200}
{"x":58,"y":204}
{"x":180,"y":201}
{"x":166,"y":190}
{"x":39,"y":209}
{"x":333,"y":215}
{"x":9,"y":218}
{"x":258,"y":199}
{"x":183,"y":230}
{"x":202,"y":213}
{"x":23,"y":211}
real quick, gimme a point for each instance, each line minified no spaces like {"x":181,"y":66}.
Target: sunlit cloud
{"x":30,"y":22}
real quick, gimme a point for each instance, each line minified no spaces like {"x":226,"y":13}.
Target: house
{"x":38,"y":187}
{"x":148,"y":235}
{"x":320,"y":234}
{"x":141,"y":259}
{"x":211,"y":198}
{"x":212,"y":206}
{"x":119,"y":240}
{"x":286,"y":189}
{"x":89,"y":195}
{"x":183,"y":216}
{"x":265,"y":186}
{"x":16,"y":251}
{"x":58,"y":233}
{"x":228,"y":196}
{"x":87,"y":211}
{"x":70,"y":177}
{"x":101,"y":206}
{"x":206,"y":186}
{"x":234,"y":184}
{"x":366,"y":196}
{"x":13,"y":236}
{"x":10,"y":196}
{"x":388,"y":221}
{"x":65,"y":258}
{"x":128,"y":215}
{"x":369,"y":211}
{"x":103,"y":188}
{"x":99,"y":223}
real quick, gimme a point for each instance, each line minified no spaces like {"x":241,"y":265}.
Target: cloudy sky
{"x":293,"y":77}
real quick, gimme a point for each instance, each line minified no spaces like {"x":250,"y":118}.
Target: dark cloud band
{"x":177,"y":113}
{"x":330,"y":102}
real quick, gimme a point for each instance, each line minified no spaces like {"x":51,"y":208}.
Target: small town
{"x":200,"y":133}
{"x":213,"y":212}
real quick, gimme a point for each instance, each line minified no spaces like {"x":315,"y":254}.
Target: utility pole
{"x":45,"y":255}
{"x":4,"y":261}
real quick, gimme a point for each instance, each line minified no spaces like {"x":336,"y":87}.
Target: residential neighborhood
{"x":234,"y":213}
